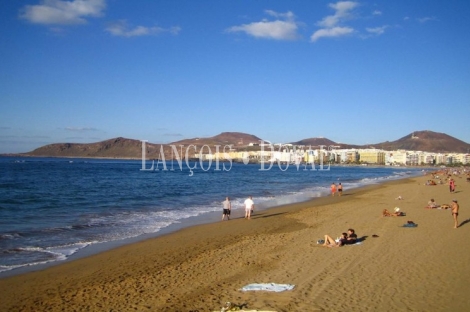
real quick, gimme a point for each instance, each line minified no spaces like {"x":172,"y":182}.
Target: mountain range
{"x":426,"y":140}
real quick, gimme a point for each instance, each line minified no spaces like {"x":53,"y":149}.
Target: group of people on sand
{"x":227,"y":208}
{"x":447,"y":176}
{"x":348,"y":238}
{"x":454,"y":207}
{"x":335,"y":189}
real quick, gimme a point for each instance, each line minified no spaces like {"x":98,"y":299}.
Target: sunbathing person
{"x":352,"y":237}
{"x":397,"y":213}
{"x":432,"y":204}
{"x":330,"y":242}
{"x":345,"y":239}
{"x":445,"y":206}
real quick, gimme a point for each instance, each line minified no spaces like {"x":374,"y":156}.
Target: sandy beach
{"x":203,"y":267}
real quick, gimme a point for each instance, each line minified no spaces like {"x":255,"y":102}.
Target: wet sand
{"x":202,"y":267}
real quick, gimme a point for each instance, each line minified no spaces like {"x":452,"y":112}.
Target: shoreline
{"x":203,"y":266}
{"x":202,"y":219}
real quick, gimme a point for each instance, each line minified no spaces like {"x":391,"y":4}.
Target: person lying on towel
{"x":345,"y":239}
{"x":397,"y":213}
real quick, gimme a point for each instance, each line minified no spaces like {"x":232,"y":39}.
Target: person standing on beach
{"x":451,"y":185}
{"x":249,"y":207}
{"x":340,"y":189}
{"x":227,"y":208}
{"x":333,"y":189}
{"x":455,"y":213}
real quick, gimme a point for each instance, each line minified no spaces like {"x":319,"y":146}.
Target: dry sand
{"x":202,"y":267}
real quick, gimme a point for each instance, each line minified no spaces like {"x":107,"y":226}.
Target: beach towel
{"x":268,"y":287}
{"x":356,"y":243}
{"x":411,"y":225}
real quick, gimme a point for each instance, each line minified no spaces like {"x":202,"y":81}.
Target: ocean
{"x":52,"y":209}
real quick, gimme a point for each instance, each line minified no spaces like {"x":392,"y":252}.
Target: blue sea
{"x":55,"y":208}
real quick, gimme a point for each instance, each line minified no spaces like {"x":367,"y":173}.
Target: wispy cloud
{"x":122,"y":29}
{"x":35,"y":136}
{"x":80,"y":129}
{"x":59,"y":12}
{"x":331,"y":24}
{"x":377,"y":30}
{"x":331,"y":32}
{"x":283,"y":28}
{"x":426,"y":19}
{"x":173,"y":134}
{"x":377,"y":12}
{"x":343,"y":11}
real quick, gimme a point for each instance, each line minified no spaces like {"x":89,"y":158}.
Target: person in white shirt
{"x":227,"y":208}
{"x":249,"y":206}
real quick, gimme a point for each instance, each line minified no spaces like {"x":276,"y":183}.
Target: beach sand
{"x":203,"y":267}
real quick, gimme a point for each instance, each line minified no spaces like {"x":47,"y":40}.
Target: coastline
{"x":203,"y":218}
{"x":266,"y":198}
{"x":203,"y":266}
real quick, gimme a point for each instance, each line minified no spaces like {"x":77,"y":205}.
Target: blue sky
{"x":352,"y":71}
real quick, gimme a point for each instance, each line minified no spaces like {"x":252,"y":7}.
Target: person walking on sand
{"x":249,"y":207}
{"x":340,"y":189}
{"x":227,"y":208}
{"x":455,"y":213}
{"x":333,"y":189}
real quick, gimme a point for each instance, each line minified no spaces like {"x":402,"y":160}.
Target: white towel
{"x":268,"y":287}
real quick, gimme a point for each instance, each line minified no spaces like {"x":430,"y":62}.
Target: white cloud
{"x":288,"y":15}
{"x":120,"y":28}
{"x":426,"y":19}
{"x":330,"y":24}
{"x":377,"y":12}
{"x":284,"y":28}
{"x":377,"y":30}
{"x":60,"y":12}
{"x":331,"y":32}
{"x":343,"y":12}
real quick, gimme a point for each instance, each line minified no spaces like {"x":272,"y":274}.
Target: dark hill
{"x":129,"y":148}
{"x":427,"y":141}
{"x":113,"y":148}
{"x":315,"y":142}
{"x":225,"y":138}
